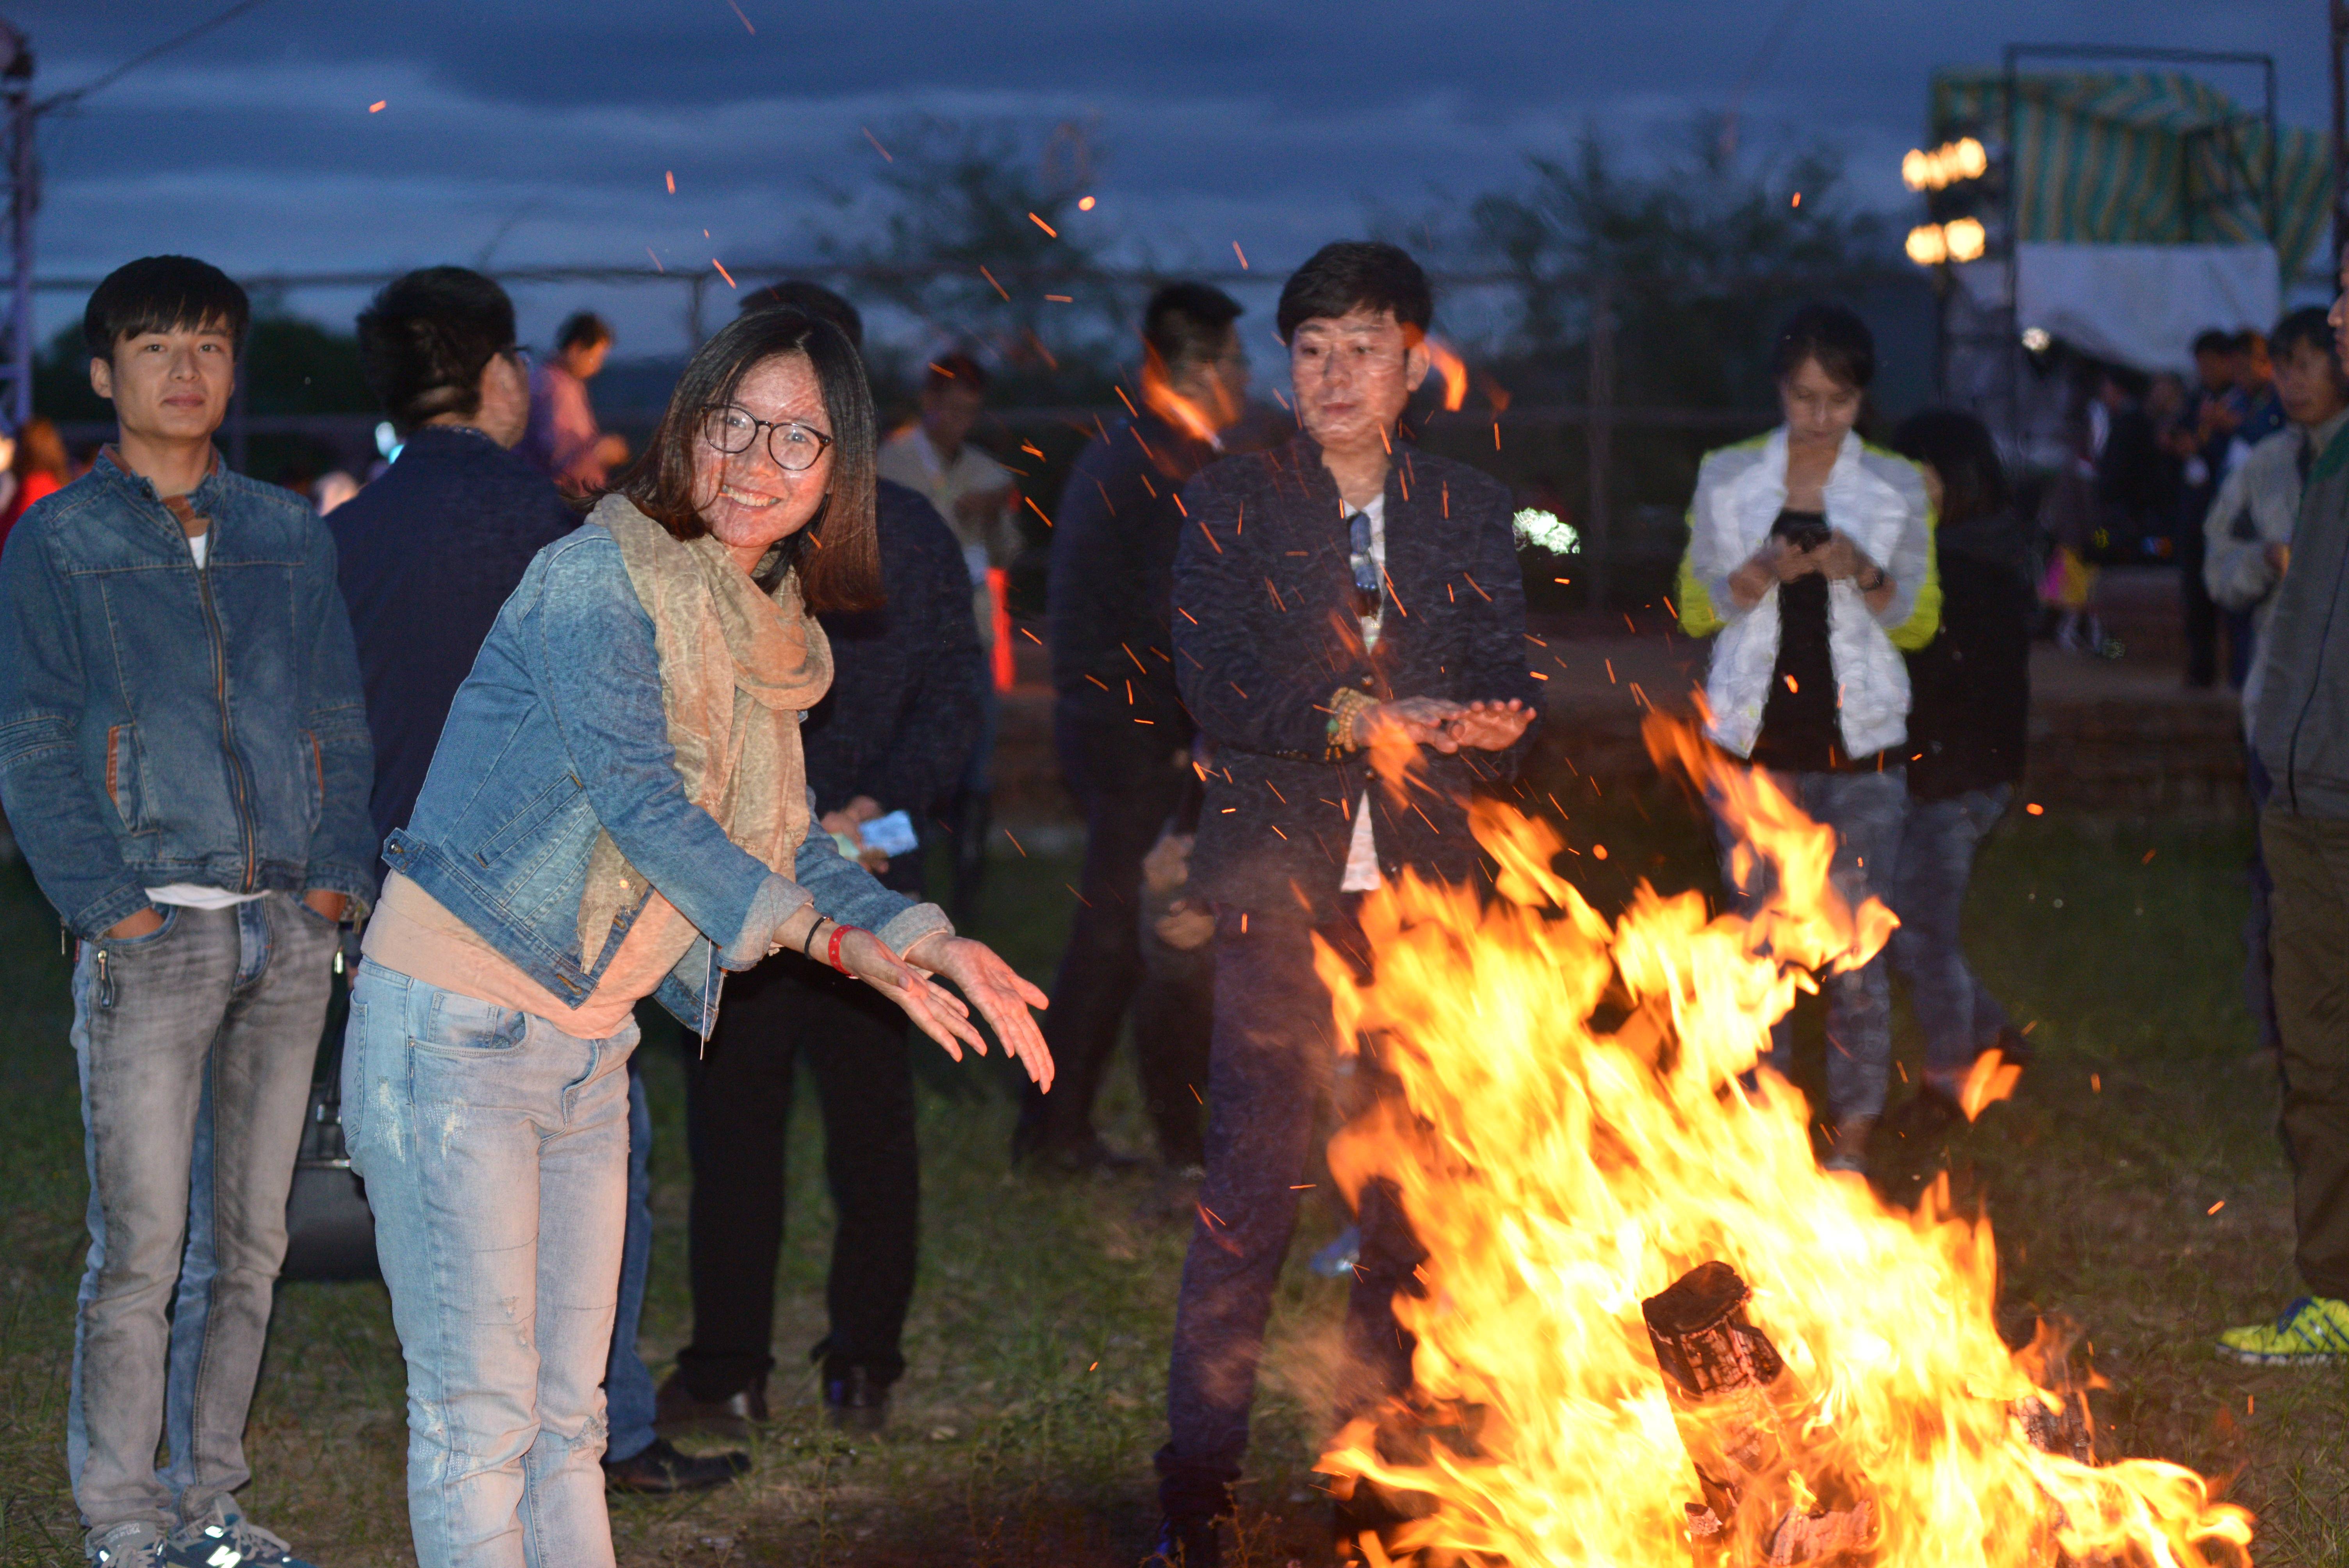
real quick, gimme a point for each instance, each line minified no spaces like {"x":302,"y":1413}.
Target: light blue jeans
{"x":194,"y":1045}
{"x":1865,"y":810}
{"x":495,"y":1152}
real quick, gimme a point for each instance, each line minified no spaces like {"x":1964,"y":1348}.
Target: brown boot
{"x":677,"y":1411}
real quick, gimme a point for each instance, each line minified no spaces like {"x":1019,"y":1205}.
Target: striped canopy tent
{"x":2144,"y":158}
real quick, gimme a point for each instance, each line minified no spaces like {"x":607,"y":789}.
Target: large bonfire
{"x":1650,"y":1326}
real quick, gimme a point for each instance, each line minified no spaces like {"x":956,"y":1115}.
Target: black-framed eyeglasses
{"x":515,"y":353}
{"x":794,"y":446}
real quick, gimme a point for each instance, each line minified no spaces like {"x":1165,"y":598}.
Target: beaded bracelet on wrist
{"x":1346,"y":706}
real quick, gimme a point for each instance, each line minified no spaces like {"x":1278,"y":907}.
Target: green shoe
{"x":2312,"y":1331}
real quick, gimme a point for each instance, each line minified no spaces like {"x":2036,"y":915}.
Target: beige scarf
{"x":737,"y":669}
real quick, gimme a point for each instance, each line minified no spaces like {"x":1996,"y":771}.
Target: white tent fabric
{"x":2138,"y":306}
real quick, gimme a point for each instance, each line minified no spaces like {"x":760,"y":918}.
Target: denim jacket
{"x":558,"y":732}
{"x":163,"y":723}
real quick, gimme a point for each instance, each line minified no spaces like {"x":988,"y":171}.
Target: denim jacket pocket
{"x":124,"y":783}
{"x":519,"y":829}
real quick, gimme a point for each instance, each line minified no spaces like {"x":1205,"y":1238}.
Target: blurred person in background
{"x":1810,"y":563}
{"x":2199,"y":440}
{"x":332,"y":489}
{"x":617,"y":808}
{"x":1285,"y":657}
{"x":37,"y":466}
{"x":183,"y":756}
{"x":453,"y":524}
{"x":2299,"y":733}
{"x":1123,"y":736}
{"x":889,"y":740}
{"x":2248,"y":542}
{"x":2256,"y":407}
{"x":934,"y":457}
{"x":1968,"y":718}
{"x":2137,"y":483}
{"x":563,"y":439}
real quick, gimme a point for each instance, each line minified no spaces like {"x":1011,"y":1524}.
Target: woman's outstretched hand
{"x":994,"y":988}
{"x":936,"y":1011}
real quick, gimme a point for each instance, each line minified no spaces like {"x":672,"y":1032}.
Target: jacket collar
{"x":1303,"y":454}
{"x":198,"y":500}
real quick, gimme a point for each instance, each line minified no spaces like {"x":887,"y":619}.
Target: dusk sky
{"x":539,"y":131}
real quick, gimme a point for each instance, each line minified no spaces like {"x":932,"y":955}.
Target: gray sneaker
{"x":226,"y":1539}
{"x":137,"y":1545}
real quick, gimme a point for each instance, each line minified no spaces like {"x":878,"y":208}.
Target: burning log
{"x":1727,"y":1385}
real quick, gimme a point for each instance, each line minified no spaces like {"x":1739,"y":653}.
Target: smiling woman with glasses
{"x":617,"y":807}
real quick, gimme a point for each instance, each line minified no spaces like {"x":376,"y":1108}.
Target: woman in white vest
{"x":1810,"y":560}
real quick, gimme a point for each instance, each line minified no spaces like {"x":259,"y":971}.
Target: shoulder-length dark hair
{"x":837,"y":554}
{"x":1961,"y":451}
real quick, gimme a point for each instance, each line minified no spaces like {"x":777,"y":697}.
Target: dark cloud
{"x":544,"y":126}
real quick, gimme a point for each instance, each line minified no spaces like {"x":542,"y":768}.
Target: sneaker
{"x":2312,"y":1331}
{"x":135,"y":1544}
{"x":226,"y":1539}
{"x":1188,"y":1541}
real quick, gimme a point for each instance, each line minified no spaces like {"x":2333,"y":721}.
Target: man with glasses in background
{"x":1339,"y":590}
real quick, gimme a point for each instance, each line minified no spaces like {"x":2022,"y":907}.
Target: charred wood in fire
{"x":1725,"y":1381}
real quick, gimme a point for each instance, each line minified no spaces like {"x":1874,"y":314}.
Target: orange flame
{"x":1201,"y":423}
{"x":1453,"y":368}
{"x":1573,"y":1134}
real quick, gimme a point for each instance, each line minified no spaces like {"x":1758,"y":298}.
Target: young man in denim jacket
{"x":184,"y":758}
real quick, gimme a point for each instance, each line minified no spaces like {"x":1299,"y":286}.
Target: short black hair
{"x":1347,"y":275}
{"x":163,"y":293}
{"x":808,"y":299}
{"x":2210,"y":340}
{"x":955,"y":370}
{"x":1186,"y":322}
{"x":425,"y":339}
{"x":2311,"y":324}
{"x":1832,"y":335}
{"x":581,"y":329}
{"x":1960,"y":450}
{"x":2249,"y":341}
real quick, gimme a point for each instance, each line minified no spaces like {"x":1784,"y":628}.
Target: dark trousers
{"x":2308,"y":857}
{"x":2259,"y":921}
{"x":1961,"y":1018}
{"x":739,"y":1112}
{"x":1275,"y":1056}
{"x":2200,"y":611}
{"x":1174,"y":1034}
{"x":1128,"y":779}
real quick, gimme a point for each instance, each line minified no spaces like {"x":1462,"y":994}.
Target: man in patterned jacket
{"x":1341,"y":588}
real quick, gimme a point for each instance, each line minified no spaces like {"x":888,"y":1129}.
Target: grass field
{"x":1039,"y":1339}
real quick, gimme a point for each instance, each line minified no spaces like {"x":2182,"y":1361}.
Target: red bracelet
{"x":832,"y":951}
